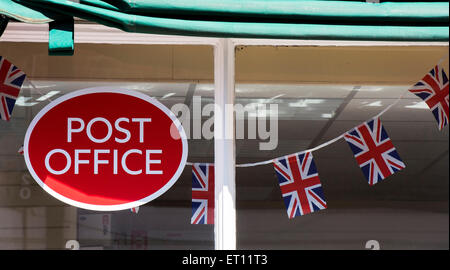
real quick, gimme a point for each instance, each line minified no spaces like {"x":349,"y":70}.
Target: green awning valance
{"x":337,"y":11}
{"x":284,"y":19}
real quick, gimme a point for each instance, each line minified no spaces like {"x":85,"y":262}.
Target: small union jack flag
{"x":202,"y":193}
{"x":433,"y":89}
{"x":300,"y":184}
{"x":134,"y":209}
{"x":374,"y":151}
{"x":11,"y":80}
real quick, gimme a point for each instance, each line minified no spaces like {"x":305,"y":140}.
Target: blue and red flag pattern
{"x":202,"y":193}
{"x":11,"y":80}
{"x":300,"y":184}
{"x":374,"y":151}
{"x":433,"y":89}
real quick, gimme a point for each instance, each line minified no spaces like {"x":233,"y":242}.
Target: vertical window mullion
{"x":224,"y":147}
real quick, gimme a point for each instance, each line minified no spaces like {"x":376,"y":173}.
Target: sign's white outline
{"x":115,"y":207}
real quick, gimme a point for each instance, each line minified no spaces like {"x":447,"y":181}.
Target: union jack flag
{"x":202,"y":193}
{"x":300,"y":184}
{"x":11,"y":79}
{"x":433,"y":89}
{"x":374,"y":151}
{"x":134,"y":209}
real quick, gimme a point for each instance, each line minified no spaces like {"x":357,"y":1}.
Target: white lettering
{"x":47,"y":161}
{"x":124,"y":161}
{"x":89,"y":132}
{"x":141,"y":126}
{"x":79,"y":161}
{"x":149,"y":161}
{"x":94,"y":159}
{"x":115,"y":161}
{"x":70,"y":130}
{"x":99,"y":161}
{"x":125,"y":131}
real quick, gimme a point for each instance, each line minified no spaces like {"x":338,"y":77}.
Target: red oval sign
{"x":103,"y":149}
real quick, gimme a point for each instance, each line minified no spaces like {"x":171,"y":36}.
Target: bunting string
{"x":244,"y":165}
{"x":372,"y":149}
{"x":265,"y":162}
{"x":297,"y":174}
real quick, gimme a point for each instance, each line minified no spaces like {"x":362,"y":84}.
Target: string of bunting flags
{"x":297,"y":174}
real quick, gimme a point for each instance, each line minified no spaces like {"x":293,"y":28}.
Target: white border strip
{"x":100,"y":34}
{"x":224,"y":149}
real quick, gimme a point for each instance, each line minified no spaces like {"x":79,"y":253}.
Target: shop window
{"x":33,"y":219}
{"x":321,"y":93}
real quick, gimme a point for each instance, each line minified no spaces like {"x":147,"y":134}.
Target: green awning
{"x":338,"y":11}
{"x":283,"y":19}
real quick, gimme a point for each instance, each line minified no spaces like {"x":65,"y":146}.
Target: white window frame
{"x":224,"y":83}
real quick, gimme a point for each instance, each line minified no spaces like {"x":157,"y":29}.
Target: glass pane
{"x":31,"y":218}
{"x":408,"y":210}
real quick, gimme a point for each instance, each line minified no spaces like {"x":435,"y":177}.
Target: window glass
{"x":33,"y":219}
{"x":408,"y":210}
